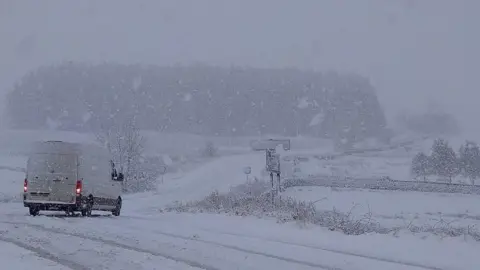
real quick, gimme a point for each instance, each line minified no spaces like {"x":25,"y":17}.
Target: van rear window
{"x":51,"y":163}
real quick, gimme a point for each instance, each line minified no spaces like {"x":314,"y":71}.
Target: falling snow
{"x":137,"y":83}
{"x":303,"y":103}
{"x":86,"y":117}
{"x":317,"y":119}
{"x":52,"y":124}
{"x":187,"y":97}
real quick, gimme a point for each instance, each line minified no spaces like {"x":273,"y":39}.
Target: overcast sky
{"x":415,"y":52}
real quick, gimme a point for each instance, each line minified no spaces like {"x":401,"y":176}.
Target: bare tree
{"x":132,"y":143}
{"x":125,"y":143}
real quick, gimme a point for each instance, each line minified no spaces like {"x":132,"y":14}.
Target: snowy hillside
{"x":147,"y":237}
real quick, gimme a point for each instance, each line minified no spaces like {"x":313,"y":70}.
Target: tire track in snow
{"x":290,"y":260}
{"x":374,"y":258}
{"x":111,"y":243}
{"x":332,"y":250}
{"x":45,"y":254}
{"x":189,"y":262}
{"x":337,"y":251}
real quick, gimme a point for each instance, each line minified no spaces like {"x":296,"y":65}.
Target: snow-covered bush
{"x":254,"y":199}
{"x":209,"y":150}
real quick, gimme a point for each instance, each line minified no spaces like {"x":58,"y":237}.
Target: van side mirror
{"x":117,"y":176}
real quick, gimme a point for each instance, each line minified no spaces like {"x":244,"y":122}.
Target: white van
{"x":71,"y":177}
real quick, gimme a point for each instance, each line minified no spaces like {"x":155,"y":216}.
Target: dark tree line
{"x":198,"y":99}
{"x":444,"y":162}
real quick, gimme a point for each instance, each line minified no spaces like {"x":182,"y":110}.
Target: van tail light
{"x":78,"y":187}
{"x":25,"y":185}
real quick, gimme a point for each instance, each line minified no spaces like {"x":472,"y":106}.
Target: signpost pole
{"x":272,"y":159}
{"x":273,"y":188}
{"x":278,"y":183}
{"x":163,"y":170}
{"x":247,"y":171}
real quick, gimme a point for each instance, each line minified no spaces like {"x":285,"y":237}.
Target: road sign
{"x":260,"y":145}
{"x":273,"y":162}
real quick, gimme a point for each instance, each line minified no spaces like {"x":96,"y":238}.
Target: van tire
{"x":87,"y":212}
{"x":118,"y":207}
{"x":33,"y":211}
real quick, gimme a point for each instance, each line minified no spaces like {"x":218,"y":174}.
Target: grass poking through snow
{"x":254,"y":199}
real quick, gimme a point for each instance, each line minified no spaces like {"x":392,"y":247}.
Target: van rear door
{"x":52,"y":177}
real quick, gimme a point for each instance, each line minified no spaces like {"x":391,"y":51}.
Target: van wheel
{"x":87,"y":211}
{"x":118,"y":207}
{"x":33,"y":211}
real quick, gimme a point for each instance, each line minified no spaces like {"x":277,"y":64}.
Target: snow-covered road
{"x":206,"y":241}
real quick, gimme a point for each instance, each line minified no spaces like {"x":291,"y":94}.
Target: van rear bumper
{"x":49,"y":205}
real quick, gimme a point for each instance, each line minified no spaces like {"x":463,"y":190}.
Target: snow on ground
{"x":395,"y":208}
{"x":12,"y":161}
{"x":219,"y":174}
{"x":357,"y":167}
{"x":393,"y":163}
{"x":227,"y":242}
{"x":145,"y":238}
{"x":72,"y":252}
{"x":11,"y":185}
{"x":15,"y":257}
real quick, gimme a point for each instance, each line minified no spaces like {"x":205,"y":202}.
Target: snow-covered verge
{"x":249,"y":199}
{"x":254,"y":199}
{"x":420,"y":213}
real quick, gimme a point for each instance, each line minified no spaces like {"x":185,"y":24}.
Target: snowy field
{"x":144,"y":237}
{"x":396,"y":209}
{"x":393,"y":163}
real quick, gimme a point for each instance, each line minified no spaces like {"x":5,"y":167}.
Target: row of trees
{"x":446,"y":163}
{"x":198,"y":99}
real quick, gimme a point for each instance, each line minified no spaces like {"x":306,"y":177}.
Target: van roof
{"x":53,"y":147}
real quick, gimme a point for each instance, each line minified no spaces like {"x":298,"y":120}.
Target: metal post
{"x":163,"y":170}
{"x":278,"y":183}
{"x":273,"y":188}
